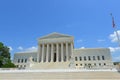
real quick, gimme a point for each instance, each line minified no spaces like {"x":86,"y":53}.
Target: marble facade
{"x":56,"y":51}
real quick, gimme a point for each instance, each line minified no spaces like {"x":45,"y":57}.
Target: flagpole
{"x":117,"y":36}
{"x":115,"y":29}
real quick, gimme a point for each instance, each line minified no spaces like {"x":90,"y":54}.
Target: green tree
{"x":4,"y":51}
{"x":5,"y":61}
{"x":1,"y":61}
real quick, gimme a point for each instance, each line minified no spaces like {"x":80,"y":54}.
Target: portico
{"x":56,"y":49}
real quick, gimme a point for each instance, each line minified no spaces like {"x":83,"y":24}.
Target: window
{"x":104,"y":64}
{"x":80,"y":58}
{"x":95,"y":64}
{"x":85,"y":58}
{"x":89,"y":58}
{"x":76,"y":64}
{"x":99,"y":64}
{"x":80,"y":64}
{"x":89,"y":64}
{"x":33,"y":59}
{"x":103,"y":58}
{"x":75,"y":58}
{"x":24,"y":65}
{"x":18,"y":60}
{"x":25,"y":60}
{"x":93,"y":57}
{"x":20,"y":66}
{"x":22,"y":61}
{"x":98,"y":57}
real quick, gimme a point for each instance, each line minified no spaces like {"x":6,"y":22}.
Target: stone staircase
{"x":83,"y":75}
{"x":51,"y":65}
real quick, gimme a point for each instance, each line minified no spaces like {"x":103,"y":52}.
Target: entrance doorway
{"x":54,"y":58}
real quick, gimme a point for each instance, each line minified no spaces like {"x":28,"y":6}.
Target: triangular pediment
{"x":55,"y":35}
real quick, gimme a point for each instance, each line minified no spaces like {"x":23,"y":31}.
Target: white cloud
{"x":82,"y":48}
{"x":100,"y":40}
{"x":79,"y":41}
{"x":115,"y":53}
{"x":20,"y":48}
{"x":11,"y":49}
{"x":117,"y":58}
{"x":113,"y":36}
{"x":114,"y":49}
{"x":33,"y":48}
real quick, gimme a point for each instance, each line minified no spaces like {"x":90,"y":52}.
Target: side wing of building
{"x":21,"y":59}
{"x":93,"y":58}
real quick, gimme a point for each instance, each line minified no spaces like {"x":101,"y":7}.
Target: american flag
{"x":113,"y":23}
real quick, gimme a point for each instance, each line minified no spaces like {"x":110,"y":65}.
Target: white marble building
{"x":56,"y":51}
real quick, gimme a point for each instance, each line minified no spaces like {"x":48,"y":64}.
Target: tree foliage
{"x":4,"y":51}
{"x":5,"y":61}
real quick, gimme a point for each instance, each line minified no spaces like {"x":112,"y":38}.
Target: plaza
{"x":60,"y":75}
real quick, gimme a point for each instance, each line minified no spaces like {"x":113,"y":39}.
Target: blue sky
{"x":22,"y":22}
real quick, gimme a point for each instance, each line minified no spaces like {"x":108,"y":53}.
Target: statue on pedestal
{"x":72,"y":63}
{"x":30,"y":59}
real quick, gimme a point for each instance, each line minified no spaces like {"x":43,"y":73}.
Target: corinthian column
{"x":47,"y":54}
{"x":51,"y":52}
{"x":71,"y":49}
{"x":43,"y":48}
{"x":61,"y":52}
{"x":57,"y":57}
{"x":67,"y":56}
{"x":38,"y":54}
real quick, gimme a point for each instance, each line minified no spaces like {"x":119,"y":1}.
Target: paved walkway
{"x":71,"y":75}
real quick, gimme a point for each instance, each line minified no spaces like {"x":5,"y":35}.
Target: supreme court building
{"x":56,"y":51}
